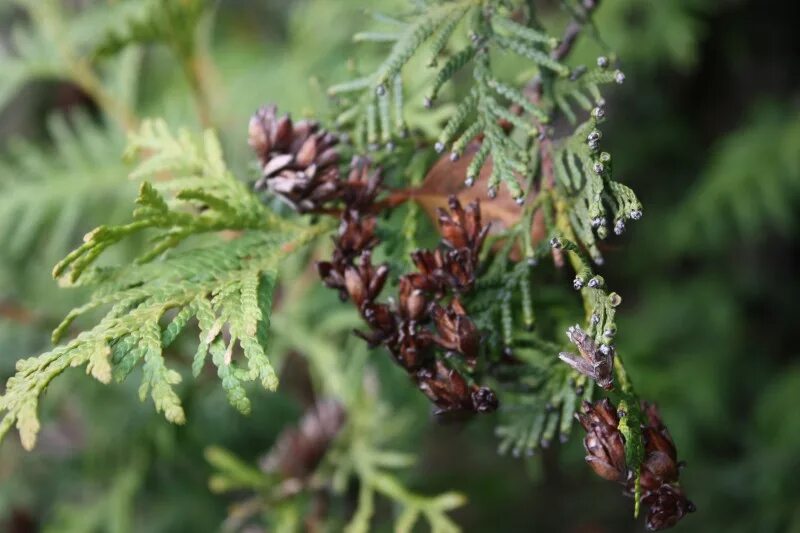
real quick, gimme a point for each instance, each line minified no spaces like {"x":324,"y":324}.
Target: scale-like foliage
{"x":191,"y":191}
{"x":584,"y":174}
{"x":508,"y":119}
{"x":540,"y":394}
{"x":223,"y":286}
{"x":227,"y":287}
{"x":540,"y":405}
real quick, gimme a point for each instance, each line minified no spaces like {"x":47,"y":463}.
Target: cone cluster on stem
{"x":300,"y":163}
{"x":659,"y":472}
{"x":429,"y":314}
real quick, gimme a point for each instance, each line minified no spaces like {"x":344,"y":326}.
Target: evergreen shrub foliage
{"x":458,"y":162}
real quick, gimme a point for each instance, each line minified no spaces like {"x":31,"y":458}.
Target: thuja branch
{"x":227,"y":287}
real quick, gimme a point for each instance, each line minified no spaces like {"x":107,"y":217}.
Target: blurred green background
{"x":706,"y":130}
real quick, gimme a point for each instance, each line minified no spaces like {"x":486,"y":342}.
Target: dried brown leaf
{"x":447,"y":177}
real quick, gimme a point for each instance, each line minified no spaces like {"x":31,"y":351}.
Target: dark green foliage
{"x":752,"y":184}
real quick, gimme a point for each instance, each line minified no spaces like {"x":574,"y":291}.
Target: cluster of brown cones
{"x":605,"y":448}
{"x":299,"y":162}
{"x":427,"y":297}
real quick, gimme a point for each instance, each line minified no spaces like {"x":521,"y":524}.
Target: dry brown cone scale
{"x":605,"y":453}
{"x":299,"y":161}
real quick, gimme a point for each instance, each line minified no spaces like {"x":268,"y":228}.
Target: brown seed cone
{"x":666,"y":507}
{"x":604,"y":444}
{"x":362,"y":186}
{"x":364,"y":282}
{"x":456,"y":332}
{"x":449,"y":391}
{"x":660,"y":464}
{"x":461,"y":228}
{"x":299,"y":161}
{"x":356,"y":237}
{"x":299,"y":449}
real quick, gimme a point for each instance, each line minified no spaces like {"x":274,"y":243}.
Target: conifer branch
{"x":226,"y":287}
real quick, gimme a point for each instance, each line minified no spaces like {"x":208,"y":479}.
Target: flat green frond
{"x":541,"y":410}
{"x":529,"y":51}
{"x":418,"y":31}
{"x":540,"y":395}
{"x":191,"y":191}
{"x":524,"y":32}
{"x":226,"y":287}
{"x":445,"y":33}
{"x":585,"y":175}
{"x":581,"y":91}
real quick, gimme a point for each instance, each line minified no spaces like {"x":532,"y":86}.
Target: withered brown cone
{"x":299,"y":450}
{"x":456,"y":332}
{"x":604,"y":444}
{"x":356,"y":237}
{"x":461,"y":228}
{"x":449,"y":391}
{"x":666,"y":507}
{"x":362,"y":186}
{"x":299,"y":161}
{"x":443,"y":270}
{"x":413,"y":302}
{"x":659,"y":474}
{"x":364,"y":282}
{"x":660,"y":464}
{"x":404,"y":327}
{"x":592,"y":360}
{"x":383,"y":322}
